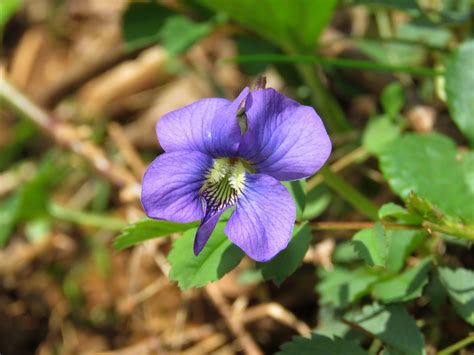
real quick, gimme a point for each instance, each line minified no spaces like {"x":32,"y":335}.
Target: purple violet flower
{"x":210,"y":165}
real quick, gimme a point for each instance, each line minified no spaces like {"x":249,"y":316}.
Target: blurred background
{"x":87,"y":82}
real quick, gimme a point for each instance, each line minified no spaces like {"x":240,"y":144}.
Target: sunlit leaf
{"x":392,"y":324}
{"x":430,"y":166}
{"x":405,"y":286}
{"x":393,"y":98}
{"x":218,"y":257}
{"x":459,"y":88}
{"x":460,"y":286}
{"x":295,"y":25}
{"x":372,"y":245}
{"x":148,"y":229}
{"x":401,"y":244}
{"x":341,"y":287}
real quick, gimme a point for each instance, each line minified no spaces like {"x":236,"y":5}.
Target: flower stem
{"x":358,"y":154}
{"x":329,"y":109}
{"x":349,"y":193}
{"x":354,"y":226}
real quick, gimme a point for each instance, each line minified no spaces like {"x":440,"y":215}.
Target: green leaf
{"x":8,"y":214}
{"x":372,"y":245}
{"x":31,"y":200}
{"x":218,"y":257}
{"x":295,"y":25}
{"x":392,"y":324}
{"x":341,"y":287}
{"x":393,"y":211}
{"x":406,"y":286}
{"x":7,"y":9}
{"x":146,"y":23}
{"x":402,"y":243}
{"x":436,"y":293}
{"x":319,"y":344}
{"x":379,"y":132}
{"x":149,"y":229}
{"x":460,"y":286}
{"x":317,"y":200}
{"x":459,"y":90}
{"x":297,"y":191}
{"x":345,"y":253}
{"x":433,"y":35}
{"x":141,"y":23}
{"x":179,"y":33}
{"x":254,"y":45}
{"x":401,"y":54}
{"x":288,"y":260}
{"x":436,"y":220}
{"x":429,"y":165}
{"x":393,"y":99}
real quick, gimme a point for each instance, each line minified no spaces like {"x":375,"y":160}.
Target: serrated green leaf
{"x":148,"y":229}
{"x":372,"y":245}
{"x":459,"y":76}
{"x":393,"y":211}
{"x":341,"y":287}
{"x":218,"y":257}
{"x":288,"y":260}
{"x":319,"y":344}
{"x":380,"y":131}
{"x":428,"y":165}
{"x":392,"y":324}
{"x":392,"y":99}
{"x":294,"y":25}
{"x":402,"y":243}
{"x":460,"y":286}
{"x":404,"y":287}
{"x":345,"y":253}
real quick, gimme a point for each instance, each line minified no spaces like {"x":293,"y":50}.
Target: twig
{"x":75,"y":78}
{"x":357,"y":154}
{"x":248,"y":344}
{"x":66,"y":136}
{"x":127,"y":149}
{"x":279,"y":313}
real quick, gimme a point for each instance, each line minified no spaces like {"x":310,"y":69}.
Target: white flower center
{"x":224,"y":183}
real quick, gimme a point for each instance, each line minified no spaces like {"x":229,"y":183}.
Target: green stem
{"x":330,"y":111}
{"x":458,"y":346}
{"x":85,"y":218}
{"x":349,"y":193}
{"x":336,"y":62}
{"x":459,"y":230}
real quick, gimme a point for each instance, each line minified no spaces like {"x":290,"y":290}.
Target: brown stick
{"x":66,"y":136}
{"x":248,"y":344}
{"x":76,"y":78}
